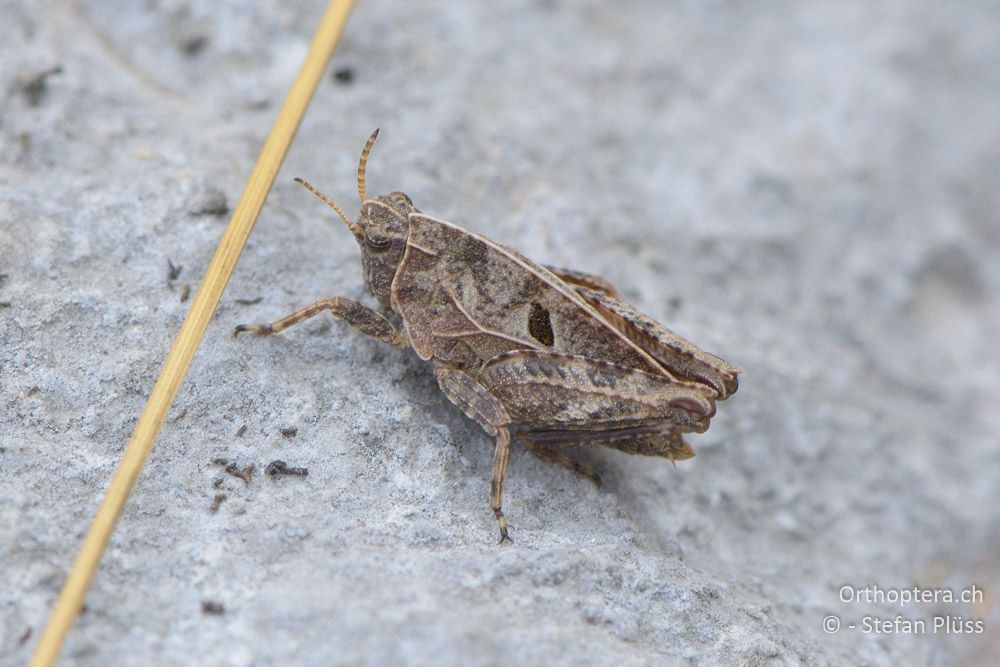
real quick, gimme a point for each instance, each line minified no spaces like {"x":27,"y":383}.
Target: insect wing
{"x":454,"y":288}
{"x":678,"y":355}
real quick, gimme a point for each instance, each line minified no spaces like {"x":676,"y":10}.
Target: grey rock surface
{"x":808,"y":189}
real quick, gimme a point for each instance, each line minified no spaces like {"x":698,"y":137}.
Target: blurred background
{"x":808,"y":189}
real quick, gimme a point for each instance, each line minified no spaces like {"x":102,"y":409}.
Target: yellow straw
{"x":186,"y":343}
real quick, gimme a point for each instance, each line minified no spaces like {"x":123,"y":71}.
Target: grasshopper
{"x":551,"y":355}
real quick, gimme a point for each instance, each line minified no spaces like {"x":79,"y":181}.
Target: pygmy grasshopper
{"x":549,"y":354}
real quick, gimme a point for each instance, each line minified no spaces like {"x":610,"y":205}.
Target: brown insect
{"x":549,"y":354}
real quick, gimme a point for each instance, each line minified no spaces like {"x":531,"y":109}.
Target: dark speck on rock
{"x":210,"y":201}
{"x":213,"y":607}
{"x":344,"y":75}
{"x":34,"y":85}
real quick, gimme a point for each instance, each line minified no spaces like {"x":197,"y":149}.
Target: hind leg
{"x":553,"y":453}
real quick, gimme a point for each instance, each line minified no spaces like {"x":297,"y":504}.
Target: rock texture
{"x":808,"y":189}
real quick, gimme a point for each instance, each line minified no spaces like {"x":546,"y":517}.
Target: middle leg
{"x":486,"y":410}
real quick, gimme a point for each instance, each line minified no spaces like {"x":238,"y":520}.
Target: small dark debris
{"x":217,"y":502}
{"x":24,"y":143}
{"x":180,"y":415}
{"x":192,"y":44}
{"x":241,"y":430}
{"x":245,"y":473}
{"x":343,"y":75}
{"x":190,"y":31}
{"x":211,"y":201}
{"x":288,"y":431}
{"x":3,"y":278}
{"x":275,"y":468}
{"x":675,"y":302}
{"x":250,"y":302}
{"x":34,"y":87}
{"x":185,"y":292}
{"x":25,"y":636}
{"x":173,"y":271}
{"x":4,"y":304}
{"x":217,"y":482}
{"x":212,"y":607}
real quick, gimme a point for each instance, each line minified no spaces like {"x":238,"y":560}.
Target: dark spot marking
{"x":540,"y":325}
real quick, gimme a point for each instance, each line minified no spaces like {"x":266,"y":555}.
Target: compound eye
{"x":377,"y":243}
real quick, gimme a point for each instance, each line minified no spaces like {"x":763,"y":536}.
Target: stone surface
{"x":808,"y":189}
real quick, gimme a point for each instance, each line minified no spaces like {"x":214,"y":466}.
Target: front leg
{"x":362,"y":318}
{"x":481,"y":406}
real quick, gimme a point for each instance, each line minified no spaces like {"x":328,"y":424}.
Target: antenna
{"x":353,"y":226}
{"x":364,"y":163}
